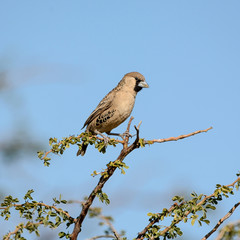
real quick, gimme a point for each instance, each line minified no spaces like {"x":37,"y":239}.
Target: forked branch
{"x":111,"y":169}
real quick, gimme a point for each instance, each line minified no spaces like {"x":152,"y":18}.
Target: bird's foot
{"x":106,"y":140}
{"x":126,"y":134}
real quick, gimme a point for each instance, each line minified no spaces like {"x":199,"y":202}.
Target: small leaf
{"x":62,"y":234}
{"x":193,"y":221}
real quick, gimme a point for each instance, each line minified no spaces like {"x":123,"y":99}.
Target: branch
{"x":59,"y":147}
{"x":104,"y":178}
{"x":202,"y":202}
{"x":27,"y":211}
{"x":19,"y":227}
{"x":176,"y":138}
{"x":58,"y":210}
{"x":127,"y":132}
{"x":79,"y":136}
{"x":13,"y":232}
{"x":105,"y":219}
{"x":144,"y":231}
{"x":111,"y":168}
{"x":221,"y":221}
{"x":228,"y":229}
{"x":102,"y":236}
{"x":110,"y":226}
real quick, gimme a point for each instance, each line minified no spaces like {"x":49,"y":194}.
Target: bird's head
{"x":135,"y":80}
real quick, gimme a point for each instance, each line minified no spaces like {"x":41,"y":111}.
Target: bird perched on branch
{"x":115,"y":107}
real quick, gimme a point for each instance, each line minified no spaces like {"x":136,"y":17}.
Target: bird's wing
{"x":105,"y":104}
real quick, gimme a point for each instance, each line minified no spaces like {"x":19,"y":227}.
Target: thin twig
{"x":60,"y":142}
{"x":129,"y":123}
{"x":226,"y":229}
{"x":104,"y":218}
{"x":127,"y":131}
{"x":101,"y":236}
{"x":110,"y":226}
{"x":12,"y":233}
{"x":59,"y":210}
{"x":18,"y":228}
{"x":176,"y":138}
{"x":221,"y":221}
{"x":143,"y":232}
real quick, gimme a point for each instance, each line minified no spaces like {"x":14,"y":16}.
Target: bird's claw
{"x":126,"y":134}
{"x":106,"y":140}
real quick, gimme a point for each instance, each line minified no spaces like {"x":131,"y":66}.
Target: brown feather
{"x":115,"y":107}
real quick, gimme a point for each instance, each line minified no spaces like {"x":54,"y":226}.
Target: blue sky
{"x":62,"y":57}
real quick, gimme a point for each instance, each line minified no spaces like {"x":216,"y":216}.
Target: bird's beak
{"x":143,"y":84}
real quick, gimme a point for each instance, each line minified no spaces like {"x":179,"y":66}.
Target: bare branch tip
{"x":139,"y":124}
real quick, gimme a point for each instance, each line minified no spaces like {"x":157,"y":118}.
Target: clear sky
{"x":62,"y":57}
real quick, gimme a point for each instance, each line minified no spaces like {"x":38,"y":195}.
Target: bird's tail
{"x":82,"y":150}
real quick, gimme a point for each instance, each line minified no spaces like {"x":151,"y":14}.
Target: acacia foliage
{"x":36,"y":213}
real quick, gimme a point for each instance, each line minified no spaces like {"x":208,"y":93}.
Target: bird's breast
{"x":124,"y":103}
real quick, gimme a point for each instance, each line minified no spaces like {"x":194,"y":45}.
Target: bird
{"x":114,"y":108}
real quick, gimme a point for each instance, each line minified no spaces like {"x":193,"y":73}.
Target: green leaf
{"x":206,"y":221}
{"x":40,"y":154}
{"x":62,"y":234}
{"x":142,"y":142}
{"x":28,"y":195}
{"x":53,"y":214}
{"x":193,"y":221}
{"x":210,"y":206}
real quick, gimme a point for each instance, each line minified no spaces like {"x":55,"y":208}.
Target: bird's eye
{"x":138,"y":80}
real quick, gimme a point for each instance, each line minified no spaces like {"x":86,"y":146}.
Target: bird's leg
{"x":125,"y":134}
{"x":114,"y":134}
{"x":105,"y":138}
